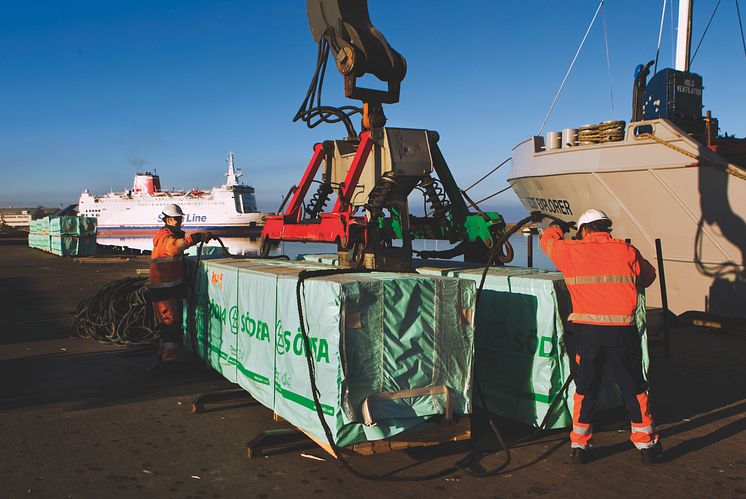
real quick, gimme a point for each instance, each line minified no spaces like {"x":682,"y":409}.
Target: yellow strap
{"x":607,"y":319}
{"x":550,"y":243}
{"x":595,"y":279}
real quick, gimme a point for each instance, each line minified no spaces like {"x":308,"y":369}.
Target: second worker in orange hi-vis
{"x":167,"y":286}
{"x":604,"y":276}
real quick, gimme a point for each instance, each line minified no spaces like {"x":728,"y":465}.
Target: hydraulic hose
{"x":460,"y":465}
{"x":308,"y":274}
{"x":191,"y":319}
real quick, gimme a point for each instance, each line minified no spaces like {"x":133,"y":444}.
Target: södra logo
{"x":254,"y":327}
{"x":518,"y":342}
{"x":289,"y":342}
{"x":217,"y":312}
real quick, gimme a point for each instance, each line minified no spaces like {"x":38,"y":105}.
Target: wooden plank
{"x":323,"y":445}
{"x":439,"y":434}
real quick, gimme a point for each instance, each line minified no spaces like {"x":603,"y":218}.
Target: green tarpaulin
{"x":72,"y":226}
{"x":62,"y":245}
{"x":64,"y":236}
{"x":374,"y":338}
{"x":521,"y":360}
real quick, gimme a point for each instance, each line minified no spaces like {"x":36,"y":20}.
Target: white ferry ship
{"x":228,"y":210}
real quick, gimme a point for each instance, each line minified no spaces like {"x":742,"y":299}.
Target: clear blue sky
{"x":91,"y":91}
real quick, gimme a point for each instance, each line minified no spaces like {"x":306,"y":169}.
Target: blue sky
{"x":92,"y":91}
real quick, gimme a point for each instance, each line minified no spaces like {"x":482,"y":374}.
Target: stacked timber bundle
{"x":72,"y":236}
{"x":64,"y":236}
{"x":521,"y":357}
{"x":38,"y":236}
{"x":389,"y":351}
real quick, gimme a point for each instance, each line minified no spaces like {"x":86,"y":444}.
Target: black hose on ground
{"x":119,"y":314}
{"x":494,"y":253}
{"x":490,"y":259}
{"x":302,"y":276}
{"x":472,"y":457}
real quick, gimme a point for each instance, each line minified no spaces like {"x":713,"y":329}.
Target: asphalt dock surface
{"x":83,"y":419}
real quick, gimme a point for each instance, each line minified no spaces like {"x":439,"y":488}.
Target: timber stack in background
{"x":64,"y":236}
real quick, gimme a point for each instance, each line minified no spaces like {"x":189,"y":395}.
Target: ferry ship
{"x":228,"y":210}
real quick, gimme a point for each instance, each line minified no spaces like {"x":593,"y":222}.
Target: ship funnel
{"x":146,"y":183}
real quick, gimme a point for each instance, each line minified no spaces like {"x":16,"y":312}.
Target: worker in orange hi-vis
{"x":167,"y":285}
{"x":604,"y":276}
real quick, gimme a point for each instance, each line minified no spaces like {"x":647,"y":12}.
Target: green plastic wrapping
{"x":72,"y":226}
{"x":64,"y":236}
{"x":215,"y":304}
{"x":39,"y":226}
{"x":38,"y":241}
{"x":258,"y":328}
{"x":62,"y":245}
{"x":370,"y":334}
{"x":521,"y":360}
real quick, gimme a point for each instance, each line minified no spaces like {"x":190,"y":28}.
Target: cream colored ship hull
{"x":690,"y":198}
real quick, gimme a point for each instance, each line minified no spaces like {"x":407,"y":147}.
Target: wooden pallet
{"x":441,"y":433}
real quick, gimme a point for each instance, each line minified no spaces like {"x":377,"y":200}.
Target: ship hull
{"x":652,"y":191}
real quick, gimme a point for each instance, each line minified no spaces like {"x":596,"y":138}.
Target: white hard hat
{"x":592,"y":215}
{"x":172,"y":210}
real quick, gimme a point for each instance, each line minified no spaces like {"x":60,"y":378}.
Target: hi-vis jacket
{"x":603,"y":276}
{"x":167,"y":258}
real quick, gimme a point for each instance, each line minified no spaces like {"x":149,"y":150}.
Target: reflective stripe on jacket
{"x":167,"y":259}
{"x":603,"y":275}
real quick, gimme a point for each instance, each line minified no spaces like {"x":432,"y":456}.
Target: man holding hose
{"x":167,"y":278}
{"x":604,"y":276}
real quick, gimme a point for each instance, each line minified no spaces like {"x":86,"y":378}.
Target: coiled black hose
{"x":119,"y":314}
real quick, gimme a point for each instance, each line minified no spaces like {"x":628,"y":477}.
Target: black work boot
{"x":580,"y":456}
{"x":652,"y":455}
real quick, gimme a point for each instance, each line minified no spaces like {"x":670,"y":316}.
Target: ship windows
{"x":245,"y":203}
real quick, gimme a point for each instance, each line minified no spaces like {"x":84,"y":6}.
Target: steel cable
{"x":740,"y":26}
{"x":569,"y":70}
{"x":608,"y":58}
{"x":493,"y":195}
{"x":660,"y":37}
{"x":488,"y":173}
{"x":705,"y":32}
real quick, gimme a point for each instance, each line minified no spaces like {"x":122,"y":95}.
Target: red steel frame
{"x":333,"y":227}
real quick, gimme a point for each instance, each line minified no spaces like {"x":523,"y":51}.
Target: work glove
{"x":565,"y":227}
{"x":201,"y":237}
